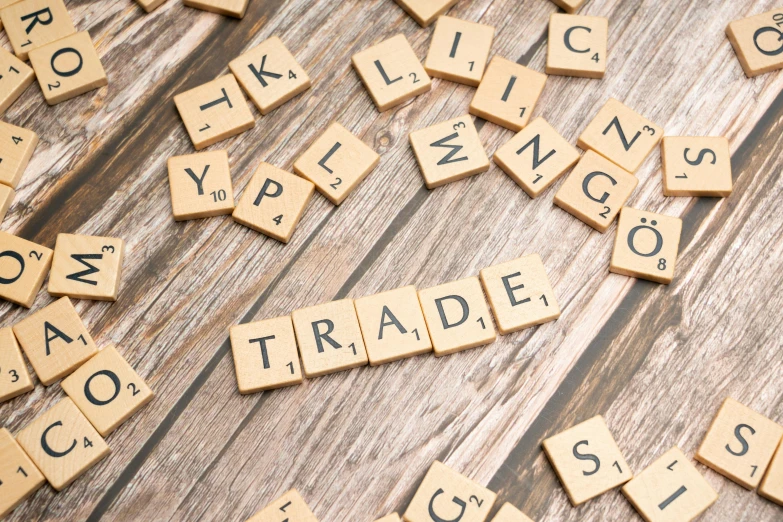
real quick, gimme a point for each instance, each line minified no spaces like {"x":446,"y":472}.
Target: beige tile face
{"x":595,"y":191}
{"x":150,"y":5}
{"x":7,"y":195}
{"x":269,"y":74}
{"x":393,"y":325}
{"x":23,"y":267}
{"x":577,"y":45}
{"x":290,"y":507}
{"x":235,"y":8}
{"x":15,"y":77}
{"x":519,"y":294}
{"x":14,"y":377}
{"x":62,"y":443}
{"x":740,"y":444}
{"x":695,"y":166}
{"x":670,"y":489}
{"x":425,"y":11}
{"x":536,"y":157}
{"x":509,"y":513}
{"x":646,"y":245}
{"x":621,"y":135}
{"x":265,"y":355}
{"x":459,"y":50}
{"x":771,"y":487}
{"x":55,"y":341}
{"x":31,"y":24}
{"x":336,"y":163}
{"x":507,"y":94}
{"x":587,"y":460}
{"x":16,"y":149}
{"x":329,"y":338}
{"x":200,"y":185}
{"x":19,"y":478}
{"x":758,"y":42}
{"x":449,"y":151}
{"x":450,"y":496}
{"x":569,"y":6}
{"x":87,"y":267}
{"x":457,"y":316}
{"x":391,"y":72}
{"x":214,"y":111}
{"x":393,"y":517}
{"x":273,"y":202}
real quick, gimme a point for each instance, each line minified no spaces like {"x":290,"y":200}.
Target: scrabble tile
{"x":14,"y":377}
{"x":620,"y":135}
{"x":536,"y":157}
{"x":595,"y":191}
{"x":200,"y":185}
{"x":459,"y":50}
{"x":7,"y":195}
{"x":646,"y":245}
{"x":393,"y":325}
{"x":696,"y":166}
{"x":67,"y":68}
{"x":16,"y":149}
{"x":670,"y":489}
{"x":150,"y":5}
{"x":391,"y":72}
{"x":269,"y":74}
{"x":771,"y":487}
{"x":19,"y":478}
{"x":569,"y":6}
{"x":235,"y":8}
{"x":273,"y":202}
{"x":62,"y":443}
{"x":393,"y":517}
{"x":5,"y":3}
{"x":509,"y":513}
{"x":448,"y":495}
{"x":87,"y":267}
{"x":519,"y":294}
{"x":457,"y":316}
{"x":507,"y":94}
{"x":55,"y":341}
{"x":425,"y":11}
{"x":31,"y":24}
{"x":214,"y":111}
{"x":336,"y":163}
{"x":587,"y":460}
{"x":265,"y":355}
{"x":15,"y":77}
{"x":449,"y":151}
{"x":107,"y":390}
{"x":740,"y":444}
{"x":577,"y":45}
{"x":758,"y":42}
{"x":290,"y":507}
{"x":23,"y":267}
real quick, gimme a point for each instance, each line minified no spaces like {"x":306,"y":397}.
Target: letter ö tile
{"x":646,"y":245}
{"x":459,"y":50}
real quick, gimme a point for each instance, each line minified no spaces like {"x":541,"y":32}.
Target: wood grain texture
{"x":655,"y":361}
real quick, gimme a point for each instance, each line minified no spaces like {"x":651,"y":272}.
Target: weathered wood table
{"x":655,"y":360}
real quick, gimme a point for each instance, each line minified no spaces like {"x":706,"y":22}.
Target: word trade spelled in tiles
{"x":758,"y":42}
{"x":23,"y":268}
{"x":16,"y":149}
{"x":445,"y":494}
{"x":200,"y":185}
{"x":87,"y":267}
{"x":459,"y":50}
{"x":15,"y":77}
{"x":290,"y":507}
{"x":31,"y":24}
{"x":695,"y":166}
{"x":235,"y":8}
{"x":14,"y":377}
{"x":577,"y":45}
{"x":646,"y":245}
{"x":425,"y":11}
{"x":19,"y":478}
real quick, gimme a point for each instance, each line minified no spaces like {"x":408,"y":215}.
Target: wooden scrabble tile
{"x":587,"y":460}
{"x":214,"y":111}
{"x":569,"y":6}
{"x":646,"y":245}
{"x":509,"y":513}
{"x":235,"y":8}
{"x":577,"y":45}
{"x":519,"y":294}
{"x":595,"y":191}
{"x":19,"y":478}
{"x":5,"y":3}
{"x":16,"y":149}
{"x":150,"y":5}
{"x":457,"y":316}
{"x":425,"y":11}
{"x":7,"y":195}
{"x":670,"y":489}
{"x":449,"y":151}
{"x":269,"y":74}
{"x":55,"y":341}
{"x":620,"y":135}
{"x":290,"y":507}
{"x":507,"y":94}
{"x":62,"y":443}
{"x":536,"y":157}
{"x":391,"y":72}
{"x":31,"y":24}
{"x":14,"y":377}
{"x":23,"y":267}
{"x":740,"y":444}
{"x":336,"y":163}
{"x":265,"y":355}
{"x":200,"y":185}
{"x":15,"y":77}
{"x":87,"y":267}
{"x":696,"y":166}
{"x":393,"y":325}
{"x":771,"y":487}
{"x":393,"y":517}
{"x":447,"y":495}
{"x":459,"y":50}
{"x":273,"y":202}
{"x":758,"y":42}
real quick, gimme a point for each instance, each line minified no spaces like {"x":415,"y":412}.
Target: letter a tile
{"x":19,"y":478}
{"x":758,"y":42}
{"x":16,"y":149}
{"x":509,"y":513}
{"x":23,"y":268}
{"x":87,"y":267}
{"x":448,"y":495}
{"x":694,"y":166}
{"x":290,"y":507}
{"x":200,"y":185}
{"x":235,"y":8}
{"x":14,"y":377}
{"x":459,"y":50}
{"x":425,"y":11}
{"x":577,"y":45}
{"x":771,"y":487}
{"x":15,"y":77}
{"x":646,"y":245}
{"x":31,"y":24}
